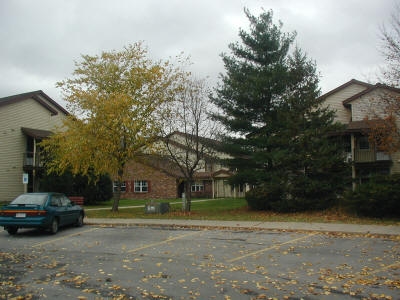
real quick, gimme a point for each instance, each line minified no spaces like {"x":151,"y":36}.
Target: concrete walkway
{"x":289,"y":226}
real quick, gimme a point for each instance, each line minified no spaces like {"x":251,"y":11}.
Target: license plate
{"x":20,"y":215}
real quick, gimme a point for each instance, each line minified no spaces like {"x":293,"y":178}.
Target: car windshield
{"x":30,"y":199}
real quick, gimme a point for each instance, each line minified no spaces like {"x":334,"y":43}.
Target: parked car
{"x":40,"y":210}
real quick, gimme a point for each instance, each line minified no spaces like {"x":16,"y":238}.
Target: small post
{"x":25,"y":181}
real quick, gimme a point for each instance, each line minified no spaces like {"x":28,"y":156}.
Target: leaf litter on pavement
{"x":260,"y":283}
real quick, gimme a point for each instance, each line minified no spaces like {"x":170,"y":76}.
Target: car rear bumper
{"x":28,"y":222}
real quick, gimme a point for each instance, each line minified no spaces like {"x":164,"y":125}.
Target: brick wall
{"x":206,"y":193}
{"x":160,"y":184}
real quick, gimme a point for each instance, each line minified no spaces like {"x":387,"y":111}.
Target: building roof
{"x":369,"y":90}
{"x":36,"y":133}
{"x":38,"y":96}
{"x":364,"y":125}
{"x":165,"y":165}
{"x":203,"y":140}
{"x":222,"y":173}
{"x":345,"y":85}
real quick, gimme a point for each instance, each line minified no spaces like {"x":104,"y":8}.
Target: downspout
{"x":353,"y":167}
{"x":34,"y":167}
{"x":213,"y":188}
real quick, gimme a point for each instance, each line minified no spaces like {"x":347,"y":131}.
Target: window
{"x":123,"y":186}
{"x":363,"y":143}
{"x":141,"y":186}
{"x":197,"y":187}
{"x":65,"y":201}
{"x":30,"y":199}
{"x":55,"y":201}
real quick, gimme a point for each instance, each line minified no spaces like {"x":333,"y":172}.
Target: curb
{"x":351,"y":229}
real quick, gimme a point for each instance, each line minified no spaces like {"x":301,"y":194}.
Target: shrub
{"x":379,"y":197}
{"x":299,"y":193}
{"x":94,"y":191}
{"x":310,"y":194}
{"x":264,"y":197}
{"x":79,"y":185}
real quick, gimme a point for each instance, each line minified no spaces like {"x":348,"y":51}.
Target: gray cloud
{"x":41,"y":39}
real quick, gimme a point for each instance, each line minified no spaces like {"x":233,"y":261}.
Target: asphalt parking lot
{"x":142,"y":262}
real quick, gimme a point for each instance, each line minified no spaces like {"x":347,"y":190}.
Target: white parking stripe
{"x":164,"y":241}
{"x":270,"y":248}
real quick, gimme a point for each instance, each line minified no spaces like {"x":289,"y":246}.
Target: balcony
{"x":370,"y":156}
{"x":32,"y":160}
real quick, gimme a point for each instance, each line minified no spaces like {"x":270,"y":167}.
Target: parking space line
{"x":164,"y":241}
{"x":271,"y":248}
{"x":64,"y":237}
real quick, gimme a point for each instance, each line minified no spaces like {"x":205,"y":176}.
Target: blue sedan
{"x":40,"y":210}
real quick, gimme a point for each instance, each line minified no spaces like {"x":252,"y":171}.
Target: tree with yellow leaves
{"x":117,"y":100}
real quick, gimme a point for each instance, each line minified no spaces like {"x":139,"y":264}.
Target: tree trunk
{"x":188,"y":196}
{"x":117,"y":194}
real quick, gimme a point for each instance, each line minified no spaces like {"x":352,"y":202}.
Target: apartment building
{"x":25,"y":119}
{"x":156,"y":177}
{"x":357,"y":105}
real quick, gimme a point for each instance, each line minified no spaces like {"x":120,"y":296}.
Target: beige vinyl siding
{"x":371,"y":105}
{"x":49,"y":104}
{"x":222,"y":189}
{"x":395,"y":169}
{"x":10,"y":164}
{"x":28,"y":113}
{"x":335,"y":102}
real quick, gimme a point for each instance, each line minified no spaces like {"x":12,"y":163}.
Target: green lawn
{"x":227,"y":209}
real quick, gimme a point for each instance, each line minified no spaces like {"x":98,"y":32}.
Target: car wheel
{"x":54,"y":226}
{"x":12,"y":230}
{"x":79,"y":221}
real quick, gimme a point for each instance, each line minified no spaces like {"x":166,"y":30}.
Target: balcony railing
{"x":361,"y":156}
{"x":382,"y":156}
{"x":33,"y":160}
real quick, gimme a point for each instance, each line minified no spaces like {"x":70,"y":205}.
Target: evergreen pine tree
{"x":278,"y":133}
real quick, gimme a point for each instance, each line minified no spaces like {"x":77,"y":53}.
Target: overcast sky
{"x":41,"y":39}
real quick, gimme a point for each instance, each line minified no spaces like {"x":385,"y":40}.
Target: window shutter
{"x":148,"y":186}
{"x":132,"y":186}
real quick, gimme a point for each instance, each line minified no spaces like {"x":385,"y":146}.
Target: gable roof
{"x":210,"y":143}
{"x":345,"y":85}
{"x":165,"y":165}
{"x":222,"y":173}
{"x":369,"y":90}
{"x":203,"y":140}
{"x":161,"y":163}
{"x":38,"y":96}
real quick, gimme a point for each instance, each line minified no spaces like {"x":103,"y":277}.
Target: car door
{"x":57,"y":207}
{"x":56,"y":203}
{"x":69,"y":213}
{"x":61,"y":210}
